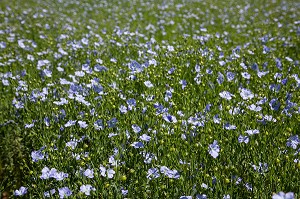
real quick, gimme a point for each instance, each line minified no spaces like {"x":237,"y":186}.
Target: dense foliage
{"x":150,"y":99}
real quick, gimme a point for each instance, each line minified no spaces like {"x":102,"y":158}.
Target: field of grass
{"x":188,"y":99}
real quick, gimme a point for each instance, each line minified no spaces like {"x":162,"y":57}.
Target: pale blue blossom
{"x":282,"y":195}
{"x":124,"y":192}
{"x":70,"y":123}
{"x":246,"y":93}
{"x":59,"y":176}
{"x":86,"y":189}
{"x":148,"y":84}
{"x":145,"y":137}
{"x":136,"y":128}
{"x":137,"y":145}
{"x":72,"y":144}
{"x":228,"y":126}
{"x":49,"y":193}
{"x":252,"y":132}
{"x":242,"y":139}
{"x":226,"y":95}
{"x":186,"y":197}
{"x":37,"y":155}
{"x":82,"y":124}
{"x":20,"y":192}
{"x":169,"y":118}
{"x":201,"y":196}
{"x":107,"y":172}
{"x":123,"y":109}
{"x":293,"y":141}
{"x":226,"y":196}
{"x":64,"y":192}
{"x":246,"y":75}
{"x":153,"y":173}
{"x":214,"y":149}
{"x":169,"y":172}
{"x":89,"y":173}
{"x":261,"y":168}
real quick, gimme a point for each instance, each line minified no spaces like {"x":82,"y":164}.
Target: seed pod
{"x":4,"y":195}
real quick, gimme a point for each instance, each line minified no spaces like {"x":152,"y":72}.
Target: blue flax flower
{"x":244,"y":139}
{"x":214,"y":149}
{"x":282,"y":195}
{"x":169,"y":118}
{"x":145,"y":138}
{"x":98,"y":125}
{"x":112,"y":123}
{"x":71,"y":144}
{"x":60,"y":176}
{"x":252,"y":132}
{"x":169,"y":173}
{"x":228,"y":126}
{"x":107,"y":172}
{"x":89,"y":173}
{"x":186,"y":197}
{"x":246,"y":93}
{"x":70,"y":123}
{"x":153,"y":173}
{"x":82,"y":124}
{"x":148,"y":84}
{"x":124,"y":192}
{"x":230,"y":76}
{"x":20,"y":192}
{"x":86,"y":189}
{"x":220,"y":78}
{"x":37,"y":155}
{"x":293,"y":141}
{"x":131,"y":103}
{"x":261,"y":168}
{"x":226,"y":95}
{"x":123,"y":109}
{"x":49,"y":193}
{"x":137,"y":145}
{"x":274,"y":104}
{"x":136,"y":128}
{"x":202,"y":196}
{"x":64,"y":192}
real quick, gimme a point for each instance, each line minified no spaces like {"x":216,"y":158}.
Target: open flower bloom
{"x":282,"y":195}
{"x":214,"y":149}
{"x":86,"y":189}
{"x":22,"y":191}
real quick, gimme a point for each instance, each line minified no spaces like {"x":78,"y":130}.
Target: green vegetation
{"x":150,"y":99}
